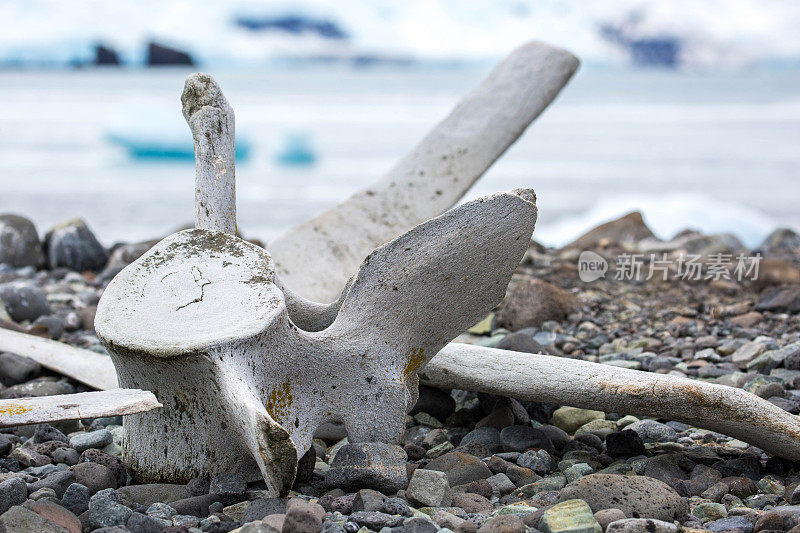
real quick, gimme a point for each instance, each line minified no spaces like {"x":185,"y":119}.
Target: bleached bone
{"x":93,"y":369}
{"x":199,"y":321}
{"x":562,"y":381}
{"x":316,"y":258}
{"x":75,"y":406}
{"x":213,"y":126}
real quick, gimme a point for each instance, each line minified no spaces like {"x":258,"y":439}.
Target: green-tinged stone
{"x":737,"y":444}
{"x":759,"y":501}
{"x":709,"y":511}
{"x":766,"y":361}
{"x":571,"y":516}
{"x":566,"y":463}
{"x":570,"y":419}
{"x":577,"y":471}
{"x":491,"y":342}
{"x":484,"y":327}
{"x":733,"y":502}
{"x":439,"y":450}
{"x":520,"y":509}
{"x":113,"y":449}
{"x":786,"y":376}
{"x":601,"y":428}
{"x":556,"y":482}
{"x":664,"y":447}
{"x":424,"y":419}
{"x":626,"y":420}
{"x":759,"y":380}
{"x":768,"y":485}
{"x":427,"y":511}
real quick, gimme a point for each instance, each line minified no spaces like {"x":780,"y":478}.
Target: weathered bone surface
{"x":579,"y":383}
{"x":199,"y":321}
{"x":115,"y":402}
{"x":316,"y":258}
{"x":212,"y":122}
{"x":562,"y":381}
{"x":88,"y":367}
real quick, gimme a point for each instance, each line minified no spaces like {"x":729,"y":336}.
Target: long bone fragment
{"x":199,"y":321}
{"x":93,"y":369}
{"x":41,"y":409}
{"x":316,"y":258}
{"x":562,"y":381}
{"x":548,"y":379}
{"x":544,"y":378}
{"x":213,"y":126}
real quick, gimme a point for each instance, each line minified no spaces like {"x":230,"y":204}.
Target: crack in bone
{"x":200,"y":281}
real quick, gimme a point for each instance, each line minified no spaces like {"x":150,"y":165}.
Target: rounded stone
{"x":93,"y":439}
{"x":571,"y":418}
{"x":460,"y":468}
{"x":522,"y":438}
{"x":371,"y":465}
{"x":570,"y":516}
{"x":73,"y":245}
{"x":23,"y":301}
{"x":111,"y":462}
{"x":636,"y":496}
{"x":652,"y":431}
{"x":19,"y":242}
{"x":487,"y":436}
{"x":641,"y":525}
{"x":94,"y":476}
{"x":429,"y":488}
{"x":606,"y":516}
{"x":625,"y":443}
{"x":508,"y":523}
{"x":13,"y":492}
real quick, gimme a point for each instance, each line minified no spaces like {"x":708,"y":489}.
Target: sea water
{"x":715,"y":152}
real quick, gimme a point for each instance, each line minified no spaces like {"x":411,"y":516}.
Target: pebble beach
{"x":468,"y":462}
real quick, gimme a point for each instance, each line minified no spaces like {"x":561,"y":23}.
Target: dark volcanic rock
{"x":15,"y":369}
{"x":636,"y":496}
{"x":521,"y":438}
{"x":460,"y":468}
{"x":436,"y":402}
{"x":258,"y":509}
{"x":487,"y":436}
{"x":369,"y":465}
{"x":19,"y":242}
{"x":522,"y":341}
{"x":782,"y":299}
{"x":23,"y":301}
{"x":12,"y":492}
{"x":72,"y":244}
{"x":624,"y":444}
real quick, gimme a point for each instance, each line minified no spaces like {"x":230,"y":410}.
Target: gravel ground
{"x":472,"y":461}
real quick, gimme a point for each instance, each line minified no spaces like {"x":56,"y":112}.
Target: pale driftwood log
{"x":213,"y":126}
{"x":199,"y":321}
{"x":316,"y":258}
{"x":93,"y":369}
{"x":562,"y":381}
{"x":117,"y":402}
